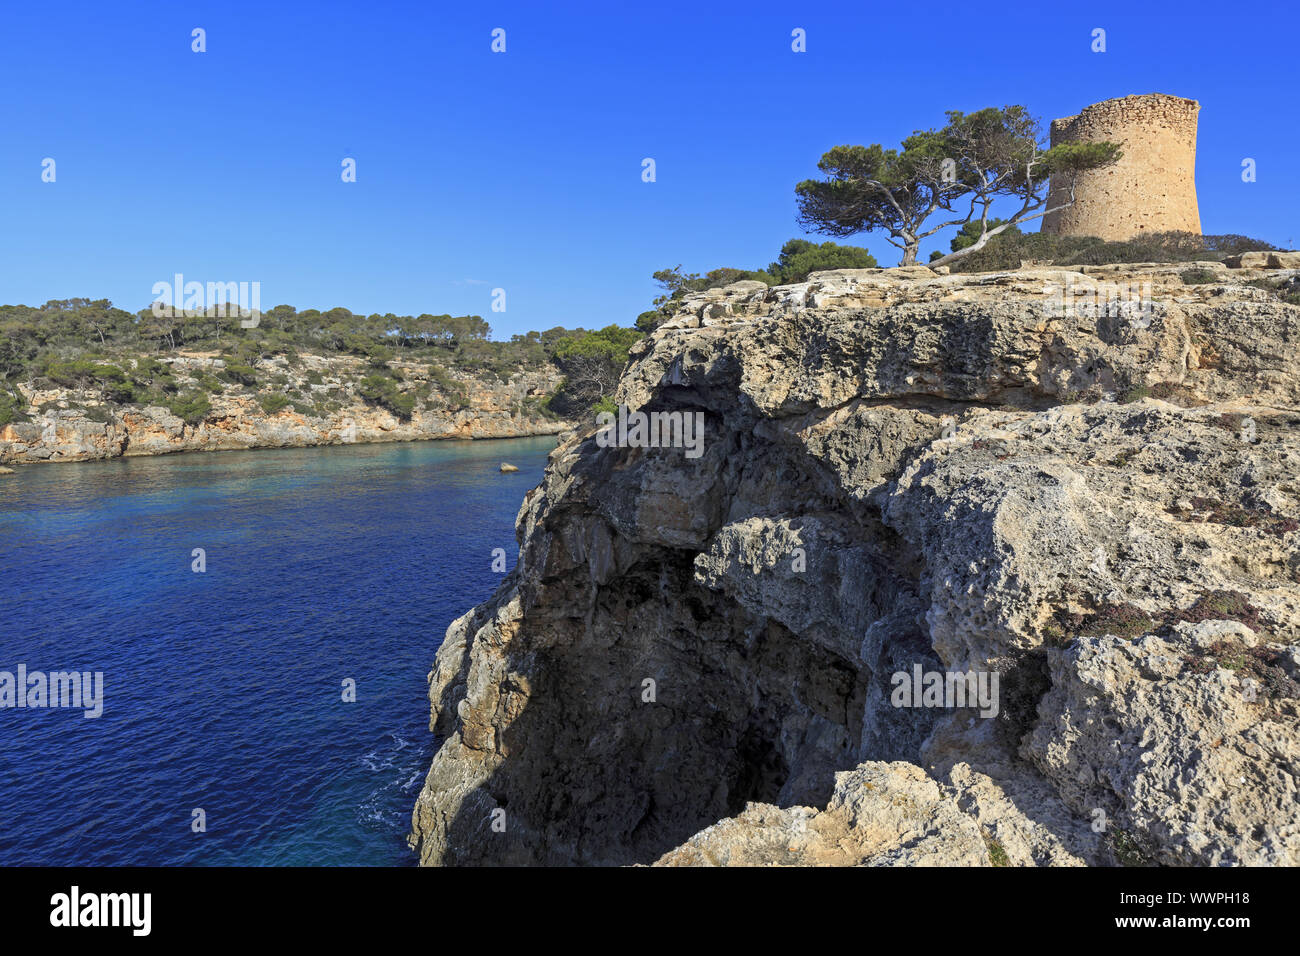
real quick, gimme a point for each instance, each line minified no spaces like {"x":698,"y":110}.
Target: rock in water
{"x":699,"y":660}
{"x":505,"y":466}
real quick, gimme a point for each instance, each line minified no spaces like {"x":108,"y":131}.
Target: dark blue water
{"x":223,"y":690}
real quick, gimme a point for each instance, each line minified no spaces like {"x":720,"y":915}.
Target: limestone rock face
{"x":699,"y":659}
{"x":70,"y":426}
{"x":1200,"y":768}
{"x":880,"y":814}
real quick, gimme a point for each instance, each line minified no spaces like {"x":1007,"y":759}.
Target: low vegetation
{"x":98,"y":352}
{"x":797,"y":260}
{"x":1009,"y":249}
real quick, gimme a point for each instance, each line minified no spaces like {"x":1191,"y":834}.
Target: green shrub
{"x":122,"y":393}
{"x":240,"y":374}
{"x":800,"y":258}
{"x":1287,"y":291}
{"x":454,"y":394}
{"x":211,"y":383}
{"x":1005,"y":251}
{"x":1122,"y":620}
{"x":192,"y":407}
{"x":997,"y":853}
{"x":1128,"y":850}
{"x":383,"y":391}
{"x":273,"y":402}
{"x":11,"y":408}
{"x":80,"y":373}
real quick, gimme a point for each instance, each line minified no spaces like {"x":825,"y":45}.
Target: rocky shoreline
{"x":695,"y":660}
{"x":76,"y":426}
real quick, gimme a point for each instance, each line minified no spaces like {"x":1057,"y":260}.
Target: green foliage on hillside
{"x":192,"y":407}
{"x":11,"y":407}
{"x":382,"y":390}
{"x":125,"y":358}
{"x":273,"y":402}
{"x":592,"y":363}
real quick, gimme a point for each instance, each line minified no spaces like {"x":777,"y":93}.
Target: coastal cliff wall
{"x":80,"y":425}
{"x":696,"y":659}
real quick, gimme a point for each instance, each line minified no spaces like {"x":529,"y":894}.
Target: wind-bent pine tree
{"x":956,"y":172}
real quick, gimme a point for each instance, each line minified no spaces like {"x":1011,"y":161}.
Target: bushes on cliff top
{"x":797,"y":260}
{"x":1005,"y":251}
{"x":969,"y":234}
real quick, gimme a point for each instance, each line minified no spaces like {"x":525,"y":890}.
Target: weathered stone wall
{"x":1152,"y":188}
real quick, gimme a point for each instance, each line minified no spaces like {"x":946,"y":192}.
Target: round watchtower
{"x":1151,"y":188}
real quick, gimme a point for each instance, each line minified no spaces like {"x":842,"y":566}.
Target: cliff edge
{"x":1078,"y":487}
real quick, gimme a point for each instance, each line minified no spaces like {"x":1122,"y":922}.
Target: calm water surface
{"x":223,"y":690}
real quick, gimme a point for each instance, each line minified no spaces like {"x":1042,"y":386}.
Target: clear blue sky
{"x":523,"y":170}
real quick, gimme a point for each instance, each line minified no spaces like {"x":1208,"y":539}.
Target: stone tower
{"x":1152,"y":188}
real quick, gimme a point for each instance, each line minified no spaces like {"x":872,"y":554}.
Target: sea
{"x":264,"y":624}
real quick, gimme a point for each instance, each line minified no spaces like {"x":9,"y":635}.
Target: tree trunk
{"x":909,"y":253}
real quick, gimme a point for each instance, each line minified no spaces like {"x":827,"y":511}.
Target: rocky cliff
{"x":74,"y":425}
{"x":1092,"y":497}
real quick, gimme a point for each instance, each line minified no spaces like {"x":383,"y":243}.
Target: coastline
{"x":70,"y":436}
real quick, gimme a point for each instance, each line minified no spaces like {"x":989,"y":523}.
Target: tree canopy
{"x":90,"y":346}
{"x":944,"y":177}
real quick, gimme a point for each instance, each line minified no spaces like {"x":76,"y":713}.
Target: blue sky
{"x":522,"y":170}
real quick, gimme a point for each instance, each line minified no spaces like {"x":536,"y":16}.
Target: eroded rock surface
{"x":693,"y":661}
{"x":71,"y":425}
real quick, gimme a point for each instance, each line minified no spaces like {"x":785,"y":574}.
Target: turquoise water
{"x":223,"y":689}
